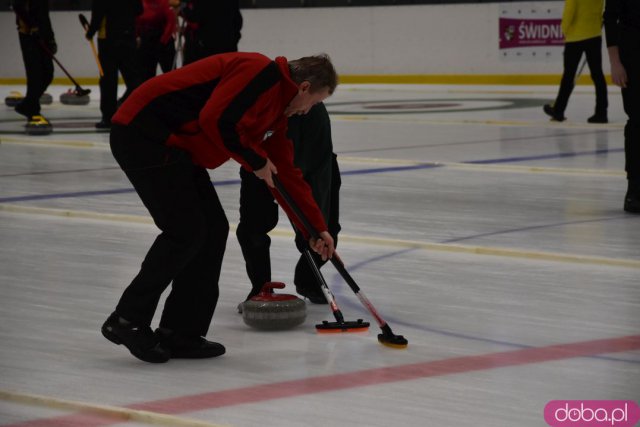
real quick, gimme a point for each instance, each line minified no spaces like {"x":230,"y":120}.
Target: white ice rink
{"x":492,"y":239}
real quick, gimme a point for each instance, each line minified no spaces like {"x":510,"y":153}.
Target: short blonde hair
{"x":317,"y":70}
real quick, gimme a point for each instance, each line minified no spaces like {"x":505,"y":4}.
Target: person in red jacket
{"x":154,"y":36}
{"x":164,"y":137}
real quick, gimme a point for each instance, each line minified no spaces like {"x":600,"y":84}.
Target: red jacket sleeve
{"x":280,"y":151}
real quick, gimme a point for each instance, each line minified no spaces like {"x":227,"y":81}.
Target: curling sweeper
{"x":340,"y":325}
{"x":387,"y":337}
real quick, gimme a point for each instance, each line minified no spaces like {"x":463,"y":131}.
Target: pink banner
{"x":517,"y":33}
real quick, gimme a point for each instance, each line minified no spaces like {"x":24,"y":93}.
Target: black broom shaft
{"x":46,"y":49}
{"x":320,"y":278}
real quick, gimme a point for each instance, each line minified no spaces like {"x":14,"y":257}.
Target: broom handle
{"x":335,"y":260}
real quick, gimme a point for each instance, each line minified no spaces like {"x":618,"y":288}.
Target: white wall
{"x":426,"y":39}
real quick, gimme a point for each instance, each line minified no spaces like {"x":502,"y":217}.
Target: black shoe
{"x":38,"y":125}
{"x":103,"y":125}
{"x":549,"y":111}
{"x":598,"y":118}
{"x":188,"y":347}
{"x":632,"y":198}
{"x":140,"y":340}
{"x":315,"y":295}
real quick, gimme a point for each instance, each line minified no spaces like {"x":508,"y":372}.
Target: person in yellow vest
{"x":582,"y":28}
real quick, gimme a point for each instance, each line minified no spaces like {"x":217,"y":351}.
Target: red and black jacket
{"x":225,"y":106}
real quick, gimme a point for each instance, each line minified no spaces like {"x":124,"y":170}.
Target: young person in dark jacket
{"x":313,"y":154}
{"x":622,"y":28}
{"x":165,"y":135}
{"x":36,"y":38}
{"x":115,"y":21}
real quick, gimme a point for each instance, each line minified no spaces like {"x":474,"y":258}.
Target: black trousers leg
{"x":593,"y":51}
{"x":128,"y":64}
{"x":109,"y":79}
{"x":166,"y":54}
{"x":571,"y":58}
{"x":194,"y":295}
{"x":258,"y":216}
{"x":173,"y":190}
{"x":629,"y":48}
{"x":39,"y":70}
{"x":147,"y":56}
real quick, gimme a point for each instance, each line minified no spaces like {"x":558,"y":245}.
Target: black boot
{"x":598,"y":118}
{"x":140,"y":340}
{"x":551,"y":112}
{"x":183,"y":346}
{"x":632,"y":198}
{"x":306,"y":283}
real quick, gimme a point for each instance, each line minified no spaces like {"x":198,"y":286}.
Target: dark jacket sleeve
{"x":611,"y":20}
{"x":313,"y":153}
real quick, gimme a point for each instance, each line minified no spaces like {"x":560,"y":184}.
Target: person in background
{"x":114,"y":21}
{"x":38,"y":44}
{"x":155,"y":42}
{"x":164,"y":137}
{"x":582,"y":28}
{"x":212,"y":27}
{"x":622,"y":28}
{"x":313,"y":154}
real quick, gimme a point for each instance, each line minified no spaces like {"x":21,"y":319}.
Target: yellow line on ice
{"x":487,"y":122}
{"x":486,"y":167}
{"x":125,"y":414}
{"x":368,"y":160}
{"x":54,"y":142}
{"x":378,"y":241}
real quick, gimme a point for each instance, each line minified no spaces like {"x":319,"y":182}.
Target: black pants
{"x":152,"y":53}
{"x":630,"y":57}
{"x":188,"y":253}
{"x":117,"y":55}
{"x":259,"y":215}
{"x":39,"y":69}
{"x":573,"y":51}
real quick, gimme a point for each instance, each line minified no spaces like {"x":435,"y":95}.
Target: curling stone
{"x":38,"y":125}
{"x":46,"y":99}
{"x":272,"y":311}
{"x":71,"y":97}
{"x":15,"y":97}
